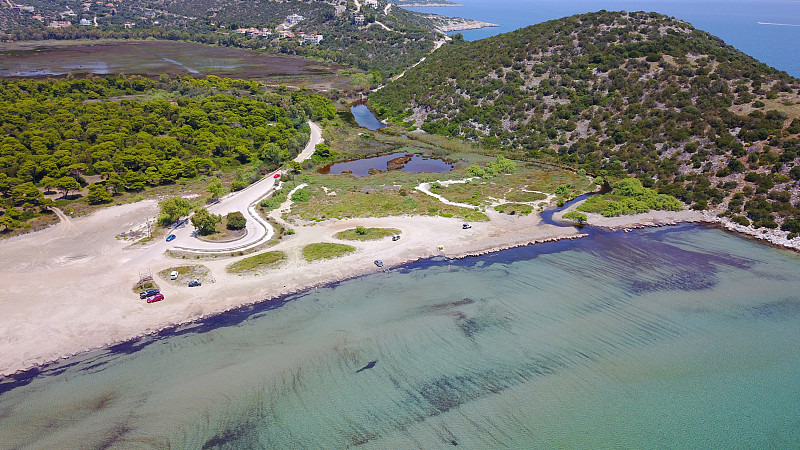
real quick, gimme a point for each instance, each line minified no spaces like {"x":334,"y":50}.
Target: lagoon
{"x":365,"y":118}
{"x":407,"y":162}
{"x":768,"y":30}
{"x":673,"y":337}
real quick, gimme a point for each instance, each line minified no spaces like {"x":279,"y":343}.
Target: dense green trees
{"x":56,"y":132}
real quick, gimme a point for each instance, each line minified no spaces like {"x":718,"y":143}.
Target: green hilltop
{"x":619,"y":93}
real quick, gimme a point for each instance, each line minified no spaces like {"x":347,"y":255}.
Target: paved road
{"x":258,"y":229}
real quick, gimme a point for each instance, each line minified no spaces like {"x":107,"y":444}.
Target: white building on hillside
{"x":294,"y":18}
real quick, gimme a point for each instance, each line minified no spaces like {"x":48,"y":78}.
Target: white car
{"x":173,"y":275}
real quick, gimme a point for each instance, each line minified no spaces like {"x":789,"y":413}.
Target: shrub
{"x":238,"y":185}
{"x":235,"y":220}
{"x":301,"y":195}
{"x":575,"y":216}
{"x":741,"y":220}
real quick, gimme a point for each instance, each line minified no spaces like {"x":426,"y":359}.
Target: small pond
{"x":365,"y":118}
{"x":407,"y":162}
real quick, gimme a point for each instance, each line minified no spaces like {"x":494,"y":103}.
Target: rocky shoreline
{"x":427,"y":5}
{"x":466,"y":25}
{"x":776,"y":237}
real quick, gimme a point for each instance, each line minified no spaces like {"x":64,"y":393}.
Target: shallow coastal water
{"x":672,"y":337}
{"x":768,"y":30}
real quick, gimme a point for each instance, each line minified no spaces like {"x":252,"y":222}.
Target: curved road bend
{"x":258,"y":229}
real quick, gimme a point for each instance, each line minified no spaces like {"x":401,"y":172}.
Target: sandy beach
{"x":68,"y":289}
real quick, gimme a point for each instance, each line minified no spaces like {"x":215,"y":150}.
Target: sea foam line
{"x":780,"y":24}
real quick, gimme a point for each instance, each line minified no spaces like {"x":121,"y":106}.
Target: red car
{"x":155,"y":298}
{"x":277,"y":175}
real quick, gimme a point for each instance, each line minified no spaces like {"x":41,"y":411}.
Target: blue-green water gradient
{"x":680,"y":337}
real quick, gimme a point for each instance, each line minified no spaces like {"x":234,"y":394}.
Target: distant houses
{"x":310,"y":38}
{"x":371,"y":3}
{"x":85,"y":23}
{"x":60,"y":24}
{"x":294,"y":19}
{"x":255,"y":32}
{"x":24,"y":8}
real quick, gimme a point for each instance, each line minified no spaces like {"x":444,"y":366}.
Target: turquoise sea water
{"x":768,"y":30}
{"x":680,"y":337}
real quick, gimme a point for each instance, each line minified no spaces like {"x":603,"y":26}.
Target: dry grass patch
{"x":366,"y":234}
{"x":185,"y":273}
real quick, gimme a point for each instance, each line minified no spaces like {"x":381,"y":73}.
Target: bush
{"x":235,"y":221}
{"x":741,"y":220}
{"x":575,"y":216}
{"x":476,"y":171}
{"x":238,"y":185}
{"x":301,"y":195}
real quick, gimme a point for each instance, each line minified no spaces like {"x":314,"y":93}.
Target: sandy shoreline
{"x":67,"y":289}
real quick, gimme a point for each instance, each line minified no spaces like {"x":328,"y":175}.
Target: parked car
{"x":194,"y":283}
{"x":466,"y":226}
{"x":277,"y":175}
{"x":379,"y":263}
{"x":396,"y":237}
{"x":147,"y":293}
{"x":170,"y":238}
{"x":173,"y":275}
{"x":155,"y":298}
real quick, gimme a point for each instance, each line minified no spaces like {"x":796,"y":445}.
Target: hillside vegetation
{"x":386,"y":42}
{"x":616,"y":93}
